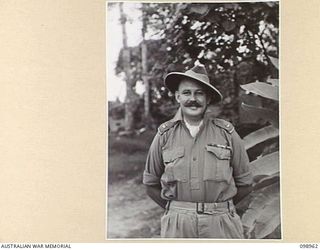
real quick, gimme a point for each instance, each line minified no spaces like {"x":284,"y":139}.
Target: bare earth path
{"x":131,"y":214}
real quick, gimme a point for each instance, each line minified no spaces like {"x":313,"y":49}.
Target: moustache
{"x":192,"y":104}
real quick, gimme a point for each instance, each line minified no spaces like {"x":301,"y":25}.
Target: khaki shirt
{"x":206,"y":168}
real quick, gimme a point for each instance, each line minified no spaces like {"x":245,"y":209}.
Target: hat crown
{"x":199,"y":69}
{"x":199,"y":72}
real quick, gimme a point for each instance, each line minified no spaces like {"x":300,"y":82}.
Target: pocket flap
{"x":219,"y":152}
{"x":171,"y":155}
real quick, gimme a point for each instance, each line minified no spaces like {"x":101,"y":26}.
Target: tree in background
{"x":238,"y":44}
{"x":233,"y":40}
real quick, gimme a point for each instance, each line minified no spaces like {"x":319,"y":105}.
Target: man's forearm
{"x":154,"y":193}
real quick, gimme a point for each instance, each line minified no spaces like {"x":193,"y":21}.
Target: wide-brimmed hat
{"x":198,"y":73}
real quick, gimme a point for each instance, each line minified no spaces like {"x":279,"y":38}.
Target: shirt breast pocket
{"x":217,"y":163}
{"x":174,"y":163}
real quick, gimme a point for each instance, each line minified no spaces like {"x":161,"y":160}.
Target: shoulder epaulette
{"x":224,"y":124}
{"x":165,"y":127}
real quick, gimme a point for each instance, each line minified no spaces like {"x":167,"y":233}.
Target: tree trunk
{"x":126,"y":61}
{"x":145,"y":76}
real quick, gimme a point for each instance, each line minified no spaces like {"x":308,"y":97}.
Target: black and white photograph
{"x":193,"y":140}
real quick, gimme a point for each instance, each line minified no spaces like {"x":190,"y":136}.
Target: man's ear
{"x":177,"y":96}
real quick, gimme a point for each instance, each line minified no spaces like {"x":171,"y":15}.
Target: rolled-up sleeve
{"x":154,"y":163}
{"x":240,"y":162}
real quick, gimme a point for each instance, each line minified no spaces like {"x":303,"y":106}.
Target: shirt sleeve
{"x":240,"y":162}
{"x":154,"y":163}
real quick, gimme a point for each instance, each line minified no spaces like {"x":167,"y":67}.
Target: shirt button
{"x":194,"y":158}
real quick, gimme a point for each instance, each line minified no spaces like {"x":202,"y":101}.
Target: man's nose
{"x":192,"y":97}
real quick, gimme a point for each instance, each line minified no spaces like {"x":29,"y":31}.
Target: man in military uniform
{"x":197,"y":164}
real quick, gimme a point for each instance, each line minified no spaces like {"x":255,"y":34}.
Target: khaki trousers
{"x":180,"y":221}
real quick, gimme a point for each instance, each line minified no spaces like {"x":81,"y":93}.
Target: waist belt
{"x":203,"y":207}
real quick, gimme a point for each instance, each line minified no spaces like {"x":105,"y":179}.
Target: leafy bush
{"x":231,"y":39}
{"x":260,"y":209}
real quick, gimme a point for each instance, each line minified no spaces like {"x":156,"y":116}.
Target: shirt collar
{"x":178,"y":116}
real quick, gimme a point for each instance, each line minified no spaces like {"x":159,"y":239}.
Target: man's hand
{"x":154,"y":193}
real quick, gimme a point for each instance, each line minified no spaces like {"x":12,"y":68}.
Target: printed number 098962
{"x":308,"y":245}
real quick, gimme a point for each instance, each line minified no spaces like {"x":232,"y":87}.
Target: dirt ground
{"x":131,"y":213}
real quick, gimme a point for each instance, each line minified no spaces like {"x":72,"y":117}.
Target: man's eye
{"x":186,"y":92}
{"x":200,"y":93}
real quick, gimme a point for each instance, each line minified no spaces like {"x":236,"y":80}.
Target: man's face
{"x":192,"y":98}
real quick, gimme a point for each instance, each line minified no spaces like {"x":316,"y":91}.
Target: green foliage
{"x":262,"y":89}
{"x":260,"y":135}
{"x":266,"y":165}
{"x":127,"y":155}
{"x":262,"y":216}
{"x":231,"y":39}
{"x":263,"y":113}
{"x":234,"y":41}
{"x":130,"y":145}
{"x":260,"y":209}
{"x":275,"y":61}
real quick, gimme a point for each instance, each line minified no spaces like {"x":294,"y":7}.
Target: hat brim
{"x":173,"y":79}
